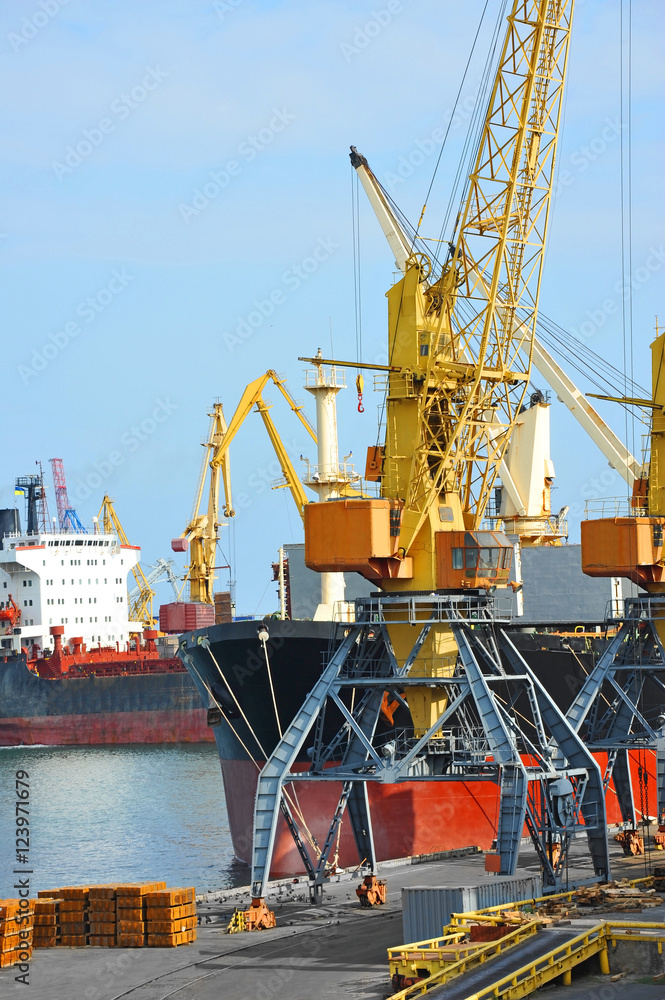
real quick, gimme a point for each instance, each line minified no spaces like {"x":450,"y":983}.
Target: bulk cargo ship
{"x":74,"y":669}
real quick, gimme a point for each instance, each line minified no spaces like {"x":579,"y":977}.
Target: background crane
{"x":202,"y":532}
{"x":68,"y":519}
{"x":163,"y":569}
{"x":140,"y":608}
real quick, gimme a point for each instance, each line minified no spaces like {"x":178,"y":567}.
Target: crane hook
{"x":359,"y":386}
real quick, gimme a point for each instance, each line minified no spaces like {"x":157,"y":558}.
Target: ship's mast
{"x":328,"y":479}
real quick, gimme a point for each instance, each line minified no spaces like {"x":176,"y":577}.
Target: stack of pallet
{"x":131,"y":912}
{"x":15,"y":932}
{"x":171,"y":917}
{"x":102,"y":915}
{"x":74,"y":915}
{"x":47,"y":921}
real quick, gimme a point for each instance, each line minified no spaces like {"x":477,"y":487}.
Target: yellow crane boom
{"x":253,"y":396}
{"x":140,"y":609}
{"x":202,"y":532}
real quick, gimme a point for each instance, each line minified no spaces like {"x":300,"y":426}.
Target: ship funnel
{"x":10,"y":522}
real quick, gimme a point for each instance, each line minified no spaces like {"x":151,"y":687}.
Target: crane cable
{"x":626,"y":180}
{"x":263,"y":639}
{"x":452,"y":116}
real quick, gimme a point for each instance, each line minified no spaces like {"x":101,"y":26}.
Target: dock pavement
{"x":335,"y":950}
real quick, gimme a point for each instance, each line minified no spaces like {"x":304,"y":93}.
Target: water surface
{"x":119,"y":814}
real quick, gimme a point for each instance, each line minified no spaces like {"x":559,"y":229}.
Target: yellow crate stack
{"x":15,"y":933}
{"x":171,"y":917}
{"x":130,"y":915}
{"x":46,"y":932}
{"x":73,"y":913}
{"x":131,"y":912}
{"x":102,"y":915}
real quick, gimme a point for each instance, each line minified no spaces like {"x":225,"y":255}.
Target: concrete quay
{"x":315,"y":953}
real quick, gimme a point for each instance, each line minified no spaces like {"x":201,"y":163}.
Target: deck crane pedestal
{"x":460,"y":341}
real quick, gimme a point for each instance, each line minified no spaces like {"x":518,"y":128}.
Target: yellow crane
{"x":140,"y":609}
{"x":202,"y":532}
{"x":460,"y":340}
{"x":253,"y":396}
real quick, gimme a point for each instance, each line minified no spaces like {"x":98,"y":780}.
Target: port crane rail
{"x":459,"y":367}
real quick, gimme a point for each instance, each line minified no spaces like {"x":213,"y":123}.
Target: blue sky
{"x":123,"y":289}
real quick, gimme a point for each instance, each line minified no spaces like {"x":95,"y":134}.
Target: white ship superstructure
{"x":74,"y":579}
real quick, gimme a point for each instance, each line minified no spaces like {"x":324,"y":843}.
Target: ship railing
{"x":611,"y":507}
{"x":456,"y":746}
{"x":332,"y":473}
{"x":411,"y":609}
{"x":640,"y":608}
{"x":344,"y":611}
{"x":328,"y":375}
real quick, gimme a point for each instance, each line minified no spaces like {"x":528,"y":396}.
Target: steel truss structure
{"x":497,"y":723}
{"x":610,"y":710}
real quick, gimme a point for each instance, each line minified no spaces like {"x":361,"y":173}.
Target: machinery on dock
{"x":460,"y":343}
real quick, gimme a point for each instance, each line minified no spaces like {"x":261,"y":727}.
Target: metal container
{"x":185,"y":616}
{"x":426,"y":910}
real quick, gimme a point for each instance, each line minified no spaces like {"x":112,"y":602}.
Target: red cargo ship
{"x":76,"y":694}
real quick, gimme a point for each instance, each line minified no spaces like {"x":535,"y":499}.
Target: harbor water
{"x":118,"y":814}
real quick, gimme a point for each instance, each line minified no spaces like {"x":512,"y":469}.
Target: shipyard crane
{"x":526,"y":519}
{"x":253,"y":396}
{"x":140,"y":608}
{"x":460,"y":343}
{"x":202,"y":532}
{"x":163,"y":569}
{"x":68,"y":519}
{"x":620,"y":707}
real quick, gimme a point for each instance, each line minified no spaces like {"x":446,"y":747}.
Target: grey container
{"x":426,"y":910}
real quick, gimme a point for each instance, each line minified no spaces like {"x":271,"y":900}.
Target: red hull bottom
{"x":408,"y":819}
{"x":108,"y":727}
